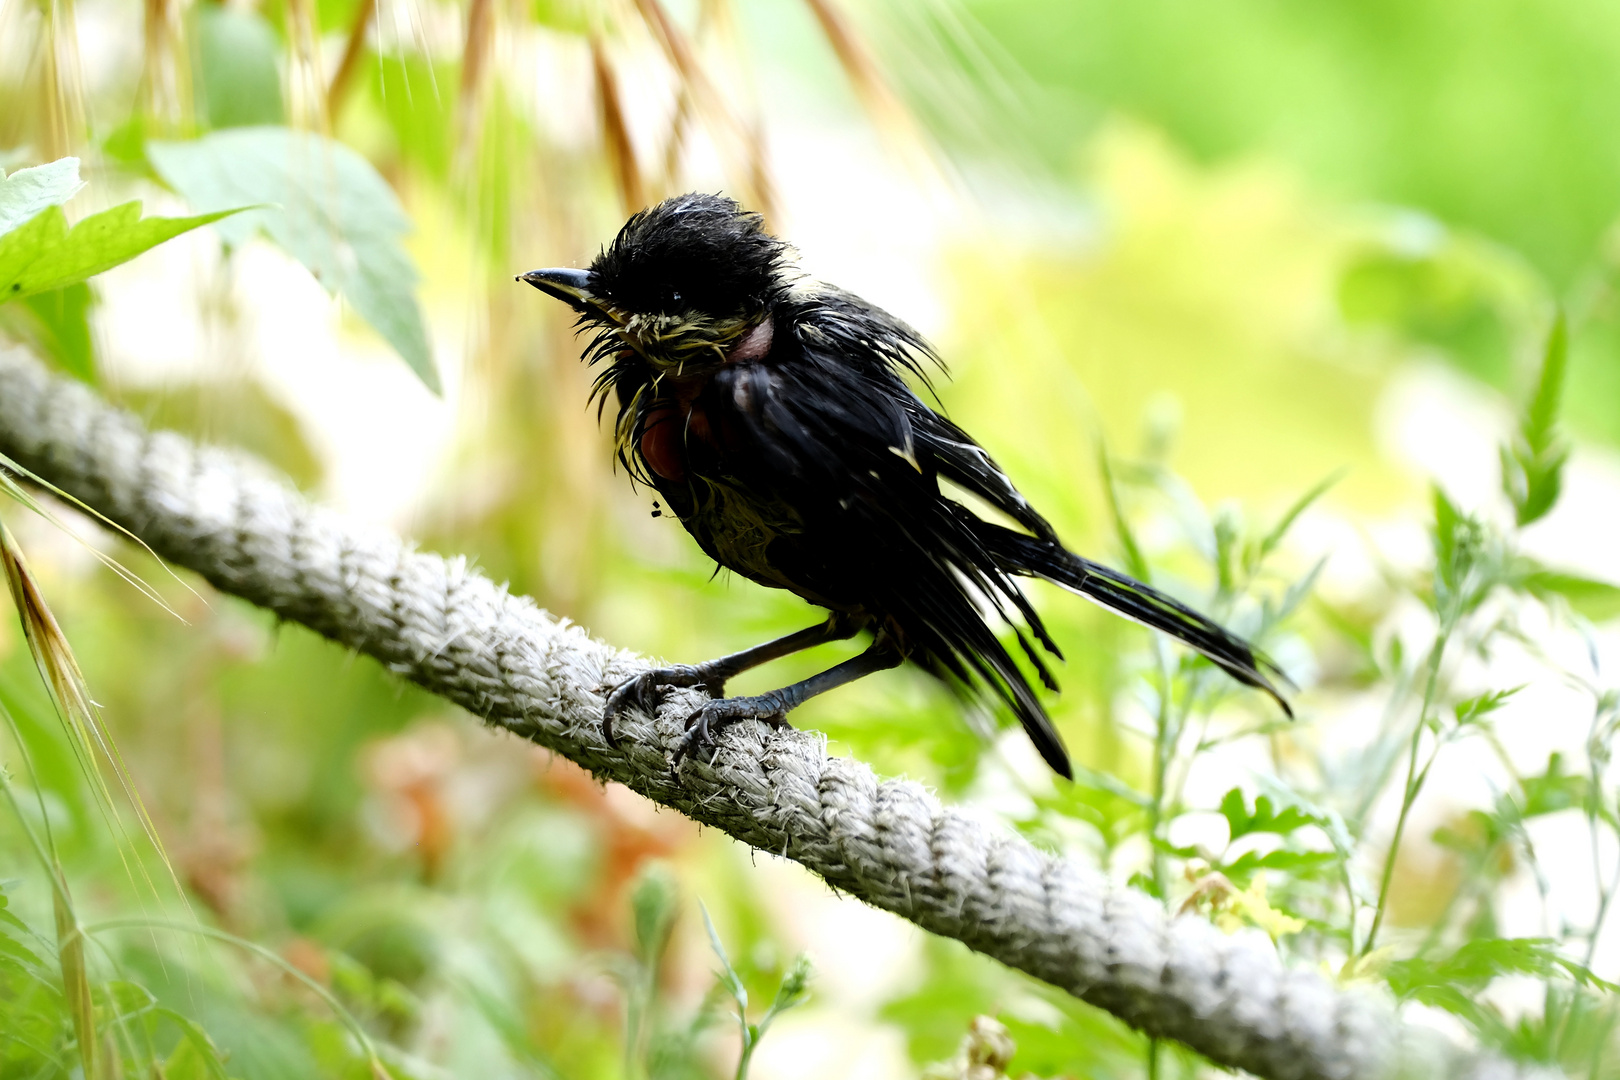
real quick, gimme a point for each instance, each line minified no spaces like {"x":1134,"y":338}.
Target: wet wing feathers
{"x":844,"y":435}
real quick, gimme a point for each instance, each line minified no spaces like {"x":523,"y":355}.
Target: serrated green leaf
{"x":1553,"y":790}
{"x":1474,"y":709}
{"x":332,"y":212}
{"x":1249,"y":863}
{"x":1476,"y":963}
{"x":45,"y":254}
{"x":1180,"y":851}
{"x":27,"y":192}
{"x":1264,"y":818}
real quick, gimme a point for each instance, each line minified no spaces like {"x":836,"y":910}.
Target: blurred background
{"x":1230,"y":288}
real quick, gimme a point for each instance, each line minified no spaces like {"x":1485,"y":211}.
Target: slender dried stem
{"x":615,"y":131}
{"x":338,"y":90}
{"x":62,"y":85}
{"x":736,"y":141}
{"x":475,"y":62}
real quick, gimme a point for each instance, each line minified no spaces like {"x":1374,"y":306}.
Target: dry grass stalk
{"x":9,"y":487}
{"x":70,"y":692}
{"x":735,"y":140}
{"x":679,"y":124}
{"x":476,"y":58}
{"x":888,"y":112}
{"x":62,"y":82}
{"x":616,"y":132}
{"x":337,"y":91}
{"x":165,"y":72}
{"x":306,"y":87}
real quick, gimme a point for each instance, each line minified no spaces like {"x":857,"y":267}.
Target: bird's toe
{"x":706,"y":722}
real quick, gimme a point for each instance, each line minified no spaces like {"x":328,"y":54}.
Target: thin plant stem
{"x":1414,"y":784}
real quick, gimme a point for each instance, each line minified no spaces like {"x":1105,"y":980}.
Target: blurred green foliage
{"x":1219,"y":235}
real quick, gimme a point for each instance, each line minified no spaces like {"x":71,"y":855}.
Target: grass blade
{"x":75,"y":976}
{"x":70,"y":693}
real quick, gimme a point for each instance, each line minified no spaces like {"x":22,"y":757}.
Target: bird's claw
{"x":703,"y":727}
{"x":645,"y":692}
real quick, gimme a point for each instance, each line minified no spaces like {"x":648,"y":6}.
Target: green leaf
{"x":793,"y":992}
{"x":61,"y":322}
{"x":1241,"y":869}
{"x":1467,"y":560}
{"x":1458,"y":296}
{"x":1135,"y":562}
{"x":406,"y":91}
{"x":1593,"y":599}
{"x":238,"y":81}
{"x":1447,"y":521}
{"x":1542,"y":414}
{"x":332,"y":212}
{"x":45,"y":254}
{"x":1269,"y":542}
{"x":1533,"y":467}
{"x":195,"y":1057}
{"x":1553,"y":790}
{"x":26,"y":192}
{"x":13,"y":948}
{"x":1475,"y":964}
{"x":653,"y":904}
{"x":1265,"y":818}
{"x":727,"y":974}
{"x":1474,"y":709}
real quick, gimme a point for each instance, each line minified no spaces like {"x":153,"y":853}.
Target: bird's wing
{"x":835,"y":437}
{"x":964,"y":462}
{"x":871,"y":338}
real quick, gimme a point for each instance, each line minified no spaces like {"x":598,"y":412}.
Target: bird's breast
{"x":683,"y":424}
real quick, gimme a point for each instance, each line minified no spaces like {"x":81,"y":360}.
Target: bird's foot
{"x":713,"y":717}
{"x":646,"y":692}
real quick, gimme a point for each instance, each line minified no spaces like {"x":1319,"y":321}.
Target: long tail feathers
{"x":1119,"y":593}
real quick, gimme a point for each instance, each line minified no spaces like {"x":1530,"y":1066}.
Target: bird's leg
{"x":646,"y":690}
{"x":713,"y":716}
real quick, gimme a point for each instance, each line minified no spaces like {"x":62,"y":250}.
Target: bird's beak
{"x":569,"y":286}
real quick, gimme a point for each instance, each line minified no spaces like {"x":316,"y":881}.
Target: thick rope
{"x":890,"y":843}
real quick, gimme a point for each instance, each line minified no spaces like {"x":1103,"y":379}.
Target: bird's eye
{"x":674,"y":298}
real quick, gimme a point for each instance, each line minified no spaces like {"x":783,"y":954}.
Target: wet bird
{"x":773,"y":415}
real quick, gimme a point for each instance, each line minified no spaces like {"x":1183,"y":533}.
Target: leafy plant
{"x":331,"y":212}
{"x":793,"y":991}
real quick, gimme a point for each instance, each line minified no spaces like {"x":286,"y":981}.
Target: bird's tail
{"x":1030,"y":556}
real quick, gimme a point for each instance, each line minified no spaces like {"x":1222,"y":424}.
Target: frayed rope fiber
{"x":890,"y":843}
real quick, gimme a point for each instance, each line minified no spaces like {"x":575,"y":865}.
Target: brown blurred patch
{"x":310,"y":958}
{"x":632,"y":831}
{"x":408,"y":775}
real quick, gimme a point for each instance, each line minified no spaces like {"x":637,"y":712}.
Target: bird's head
{"x":685,"y":286}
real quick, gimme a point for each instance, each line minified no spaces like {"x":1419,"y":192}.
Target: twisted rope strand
{"x":890,"y":843}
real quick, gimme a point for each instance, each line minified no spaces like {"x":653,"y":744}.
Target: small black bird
{"x":771,"y":414}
